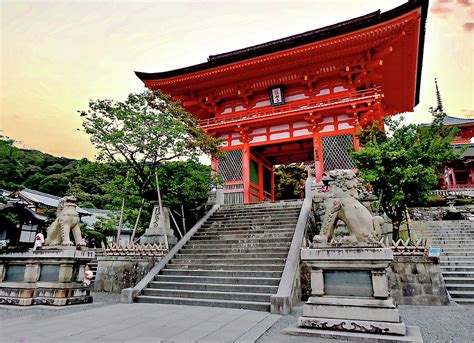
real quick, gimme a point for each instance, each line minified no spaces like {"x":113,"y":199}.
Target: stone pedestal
{"x":350,"y":296}
{"x":44,"y":277}
{"x":159,"y":226}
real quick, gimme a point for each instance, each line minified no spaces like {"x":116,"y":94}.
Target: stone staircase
{"x":456,"y":239}
{"x":234,"y":260}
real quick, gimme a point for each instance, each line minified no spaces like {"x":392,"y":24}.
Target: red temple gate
{"x":301,"y":98}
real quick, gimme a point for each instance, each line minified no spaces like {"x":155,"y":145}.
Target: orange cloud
{"x":441,"y":10}
{"x":465,"y":2}
{"x":468,"y":27}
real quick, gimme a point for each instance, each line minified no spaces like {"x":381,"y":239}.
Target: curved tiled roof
{"x":448,"y":121}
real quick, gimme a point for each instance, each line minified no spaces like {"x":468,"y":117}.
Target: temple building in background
{"x":301,"y":99}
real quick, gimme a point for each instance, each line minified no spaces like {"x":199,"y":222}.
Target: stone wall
{"x":413,"y":280}
{"x":438,"y":213}
{"x":115,"y":273}
{"x":416,"y":280}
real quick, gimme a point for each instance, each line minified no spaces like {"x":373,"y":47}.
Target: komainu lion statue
{"x":342,"y":203}
{"x":67,"y":220}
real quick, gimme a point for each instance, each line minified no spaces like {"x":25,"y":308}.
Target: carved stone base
{"x":55,"y":296}
{"x":150,"y":239}
{"x":413,"y":334}
{"x":44,"y":277}
{"x":351,"y":325}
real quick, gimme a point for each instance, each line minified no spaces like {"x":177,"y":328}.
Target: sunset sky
{"x":57,"y":55}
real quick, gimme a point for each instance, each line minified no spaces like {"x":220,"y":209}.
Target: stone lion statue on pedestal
{"x":342,"y":203}
{"x":67,"y":220}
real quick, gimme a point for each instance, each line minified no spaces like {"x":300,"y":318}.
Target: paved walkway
{"x":141,"y":323}
{"x":109,"y":322}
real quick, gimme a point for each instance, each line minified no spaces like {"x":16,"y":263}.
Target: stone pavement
{"x":141,"y":323}
{"x":106,"y":321}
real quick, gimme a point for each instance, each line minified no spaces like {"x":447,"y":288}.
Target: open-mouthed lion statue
{"x":342,"y":203}
{"x":67,"y":220}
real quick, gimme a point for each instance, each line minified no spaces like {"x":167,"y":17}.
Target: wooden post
{"x":260,"y":180}
{"x":246,"y":171}
{"x":318,"y":156}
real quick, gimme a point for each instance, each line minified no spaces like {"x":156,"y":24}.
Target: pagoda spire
{"x":438,"y":98}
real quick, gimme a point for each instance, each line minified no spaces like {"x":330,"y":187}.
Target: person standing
{"x":39,"y":240}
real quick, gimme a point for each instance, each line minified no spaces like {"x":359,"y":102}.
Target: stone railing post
{"x":220,"y":195}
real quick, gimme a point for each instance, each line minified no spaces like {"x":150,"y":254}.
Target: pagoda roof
{"x":450,"y":121}
{"x":313,"y":36}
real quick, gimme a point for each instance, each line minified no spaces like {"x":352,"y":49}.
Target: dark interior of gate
{"x":262,"y":160}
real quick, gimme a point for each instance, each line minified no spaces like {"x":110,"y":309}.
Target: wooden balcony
{"x":293,"y":108}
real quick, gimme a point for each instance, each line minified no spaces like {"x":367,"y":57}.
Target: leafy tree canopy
{"x":143,"y":131}
{"x":403,"y":166}
{"x":289,"y":181}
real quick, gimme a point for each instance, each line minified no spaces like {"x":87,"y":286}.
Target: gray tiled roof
{"x":45,"y":199}
{"x":448,"y":121}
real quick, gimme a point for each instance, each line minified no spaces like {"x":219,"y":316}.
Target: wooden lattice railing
{"x":418,"y":247}
{"x":153,"y":250}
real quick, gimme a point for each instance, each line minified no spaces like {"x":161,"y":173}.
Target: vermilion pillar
{"x":318,"y":156}
{"x":260,"y":179}
{"x":214,"y":165}
{"x":246,"y":171}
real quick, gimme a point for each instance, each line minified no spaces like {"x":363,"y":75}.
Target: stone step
{"x":173,"y":293}
{"x":222,"y":273}
{"x":462,"y":294}
{"x":233,"y":255}
{"x":246,"y":230}
{"x":238,"y":246}
{"x":457,"y":263}
{"x":238,"y":216}
{"x":460,"y":287}
{"x":214,"y":287}
{"x":459,"y":280}
{"x":235,"y":250}
{"x":457,"y":268}
{"x":446,"y":258}
{"x":464,"y":301}
{"x":270,"y":241}
{"x":453,"y":241}
{"x":456,"y":245}
{"x":233,"y":266}
{"x":249,"y":305}
{"x":449,"y":235}
{"x":239,"y":261}
{"x":450,"y":273}
{"x":244,"y":234}
{"x":456,"y":248}
{"x":261,"y":206}
{"x":246,"y":280}
{"x":260,"y":224}
{"x":458,"y":253}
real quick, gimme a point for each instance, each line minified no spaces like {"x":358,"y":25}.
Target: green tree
{"x":289,"y":181}
{"x":185,"y":183}
{"x":403,"y":166}
{"x":145,"y":130}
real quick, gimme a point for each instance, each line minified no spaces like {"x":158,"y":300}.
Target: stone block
{"x":32,"y":272}
{"x":65,"y":273}
{"x":411,"y":289}
{"x":351,"y":312}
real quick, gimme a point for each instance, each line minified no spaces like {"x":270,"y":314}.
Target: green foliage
{"x":289,"y":181}
{"x":185,"y":183}
{"x":403,"y":166}
{"x":145,"y":130}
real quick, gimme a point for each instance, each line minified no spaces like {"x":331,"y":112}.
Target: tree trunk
{"x":395,"y":229}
